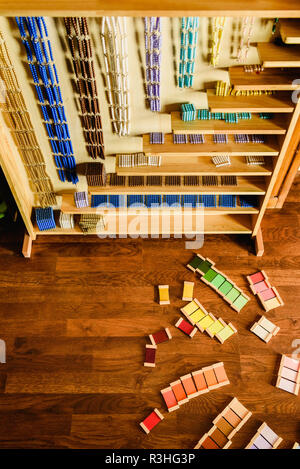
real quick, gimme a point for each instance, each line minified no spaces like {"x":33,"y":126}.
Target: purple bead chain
{"x":153,"y":59}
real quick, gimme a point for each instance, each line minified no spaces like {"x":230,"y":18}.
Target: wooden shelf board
{"x":222,"y":223}
{"x":273,"y":55}
{"x":245,"y":186}
{"x":209,"y":148}
{"x":69,"y":207}
{"x":59,"y":231}
{"x":236,"y":8}
{"x":268,"y":79}
{"x":256,"y":125}
{"x":187,"y":165}
{"x":263,"y":103}
{"x":290,"y":30}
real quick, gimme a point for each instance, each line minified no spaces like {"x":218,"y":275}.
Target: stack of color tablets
{"x":268,"y":295}
{"x":194,"y":384}
{"x":204,"y":321}
{"x":158,"y":338}
{"x":81,"y":199}
{"x":225,"y":426}
{"x":151,"y":421}
{"x":265,"y":329}
{"x":264,"y":438}
{"x":227,"y":289}
{"x":289,"y":375}
{"x":45,"y":218}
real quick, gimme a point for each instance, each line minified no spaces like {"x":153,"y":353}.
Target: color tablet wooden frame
{"x":232,"y":327}
{"x":297,"y":382}
{"x":167,"y":332}
{"x":193,"y":332}
{"x":164,"y":287}
{"x":152,"y":365}
{"x":270,"y":335}
{"x":160,"y":416}
{"x":258,"y":433}
{"x":242,"y":422}
{"x":186,"y":298}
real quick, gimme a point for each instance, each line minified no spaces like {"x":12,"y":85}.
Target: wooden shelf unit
{"x":290,"y":30}
{"x":189,"y":158}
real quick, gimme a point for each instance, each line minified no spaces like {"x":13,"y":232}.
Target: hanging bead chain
{"x":218,"y":28}
{"x":188,"y":46}
{"x":115,"y":51}
{"x":83,"y":63}
{"x":153,"y":60}
{"x":246,"y":34}
{"x":35,"y":38}
{"x":22,"y":129}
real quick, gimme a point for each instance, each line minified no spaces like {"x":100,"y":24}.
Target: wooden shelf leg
{"x":27,"y":245}
{"x":259,"y":243}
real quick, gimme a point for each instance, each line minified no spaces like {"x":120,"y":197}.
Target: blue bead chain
{"x":34,"y":36}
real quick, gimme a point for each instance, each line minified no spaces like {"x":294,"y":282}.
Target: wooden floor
{"x":76,"y":317}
